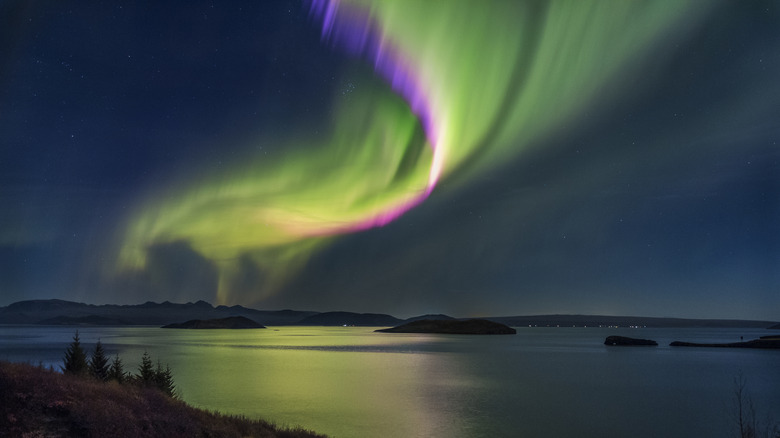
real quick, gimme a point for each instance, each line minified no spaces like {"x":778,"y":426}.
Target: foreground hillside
{"x":39,"y":402}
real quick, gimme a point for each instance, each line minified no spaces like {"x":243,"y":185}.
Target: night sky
{"x":465,"y":158}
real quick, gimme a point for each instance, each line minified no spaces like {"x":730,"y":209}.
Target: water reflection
{"x":349,"y":382}
{"x":340,"y":382}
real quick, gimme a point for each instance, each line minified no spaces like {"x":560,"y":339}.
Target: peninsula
{"x":232,"y":322}
{"x":762,"y":342}
{"x":453,"y":327}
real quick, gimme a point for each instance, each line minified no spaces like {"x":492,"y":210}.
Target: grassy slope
{"x":36,"y":402}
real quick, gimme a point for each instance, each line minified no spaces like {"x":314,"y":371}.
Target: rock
{"x":454,"y":327}
{"x":626,"y":341}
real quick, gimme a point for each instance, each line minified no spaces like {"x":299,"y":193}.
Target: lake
{"x":352,"y":382}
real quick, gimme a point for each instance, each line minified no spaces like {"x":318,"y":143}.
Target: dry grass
{"x":36,"y":402}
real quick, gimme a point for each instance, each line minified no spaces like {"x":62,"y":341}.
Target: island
{"x":626,"y":341}
{"x":231,"y":322}
{"x":452,"y":327}
{"x":762,"y":342}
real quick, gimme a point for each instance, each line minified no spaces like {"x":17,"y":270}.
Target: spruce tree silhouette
{"x":75,"y":360}
{"x":117,"y":371}
{"x":98,"y":364}
{"x":146,"y":374}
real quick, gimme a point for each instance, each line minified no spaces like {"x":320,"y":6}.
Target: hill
{"x":83,"y":320}
{"x":231,"y":322}
{"x":429,"y":316}
{"x":349,"y":318}
{"x":453,"y":327}
{"x":39,"y":402}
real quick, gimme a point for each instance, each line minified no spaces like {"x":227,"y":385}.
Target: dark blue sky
{"x":663,"y":202}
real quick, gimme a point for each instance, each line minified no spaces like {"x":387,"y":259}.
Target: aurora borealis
{"x":400,"y":157}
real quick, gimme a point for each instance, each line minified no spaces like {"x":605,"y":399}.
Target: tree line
{"x":98,"y":367}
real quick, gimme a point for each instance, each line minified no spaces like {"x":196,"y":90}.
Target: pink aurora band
{"x":351,"y":28}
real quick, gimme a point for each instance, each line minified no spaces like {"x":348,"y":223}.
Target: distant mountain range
{"x":60,"y":312}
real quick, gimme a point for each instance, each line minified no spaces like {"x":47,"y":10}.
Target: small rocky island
{"x":453,"y":327}
{"x":626,"y":341}
{"x":232,"y":322}
{"x":762,"y":342}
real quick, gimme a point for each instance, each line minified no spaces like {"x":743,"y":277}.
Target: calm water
{"x":351,"y":382}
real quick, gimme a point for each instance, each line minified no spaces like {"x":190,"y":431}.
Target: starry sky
{"x":468,"y":158}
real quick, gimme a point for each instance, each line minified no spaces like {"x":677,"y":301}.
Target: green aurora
{"x":495,"y":81}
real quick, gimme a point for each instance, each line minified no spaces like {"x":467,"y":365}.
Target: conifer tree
{"x":164,"y":379}
{"x":98,"y":364}
{"x":75,"y":360}
{"x":116,"y":371}
{"x":146,"y":374}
